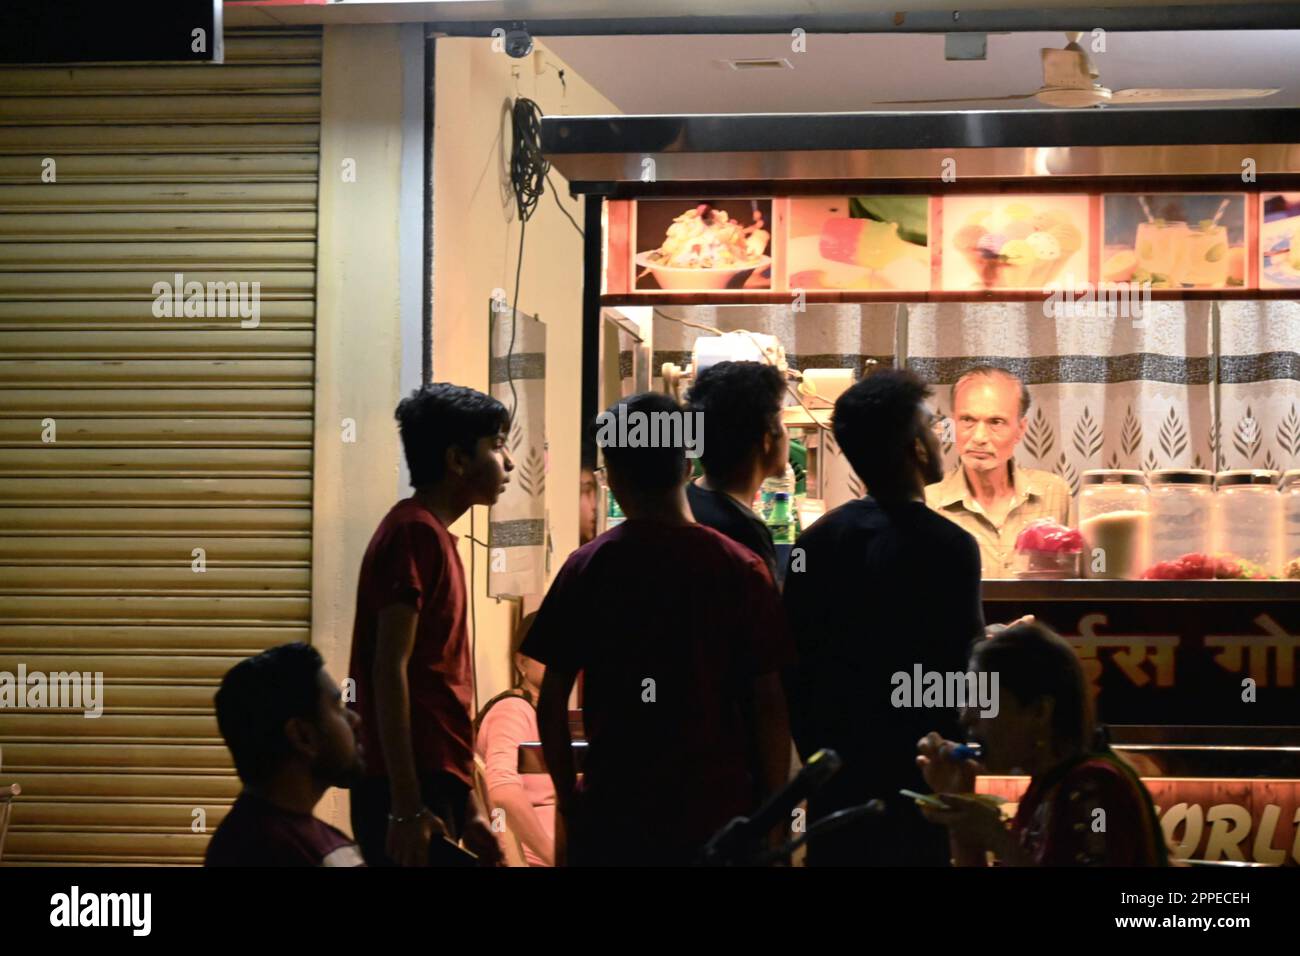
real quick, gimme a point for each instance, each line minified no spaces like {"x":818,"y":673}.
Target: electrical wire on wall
{"x":528,"y":172}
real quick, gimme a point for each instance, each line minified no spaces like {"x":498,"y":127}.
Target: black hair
{"x":653,"y":466}
{"x":439,"y":416}
{"x":516,"y":646}
{"x":740,"y":402}
{"x":991,"y":371}
{"x":1032,"y":662}
{"x":257,"y":696}
{"x":876,"y":424}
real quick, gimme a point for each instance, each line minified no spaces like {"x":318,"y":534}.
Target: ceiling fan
{"x":1070,"y":81}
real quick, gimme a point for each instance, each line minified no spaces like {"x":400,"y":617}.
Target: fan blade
{"x":1185,"y":96}
{"x":1066,"y":68}
{"x":967,"y":99}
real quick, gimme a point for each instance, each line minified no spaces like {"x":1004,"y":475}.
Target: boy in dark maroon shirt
{"x":410,"y":640}
{"x":283,"y":719}
{"x":681,"y":637}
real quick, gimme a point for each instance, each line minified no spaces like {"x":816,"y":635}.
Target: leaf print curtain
{"x":1106,"y":393}
{"x":1120,"y":392}
{"x":1259,"y":394}
{"x":517,"y":522}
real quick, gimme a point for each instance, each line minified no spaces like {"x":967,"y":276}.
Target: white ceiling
{"x":848,"y":72}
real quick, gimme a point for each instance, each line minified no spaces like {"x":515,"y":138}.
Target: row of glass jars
{"x":1190,"y":523}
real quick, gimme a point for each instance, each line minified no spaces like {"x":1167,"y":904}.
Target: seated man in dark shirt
{"x":291,"y":739}
{"x":679,"y":633}
{"x":744,"y":442}
{"x":876,"y":587}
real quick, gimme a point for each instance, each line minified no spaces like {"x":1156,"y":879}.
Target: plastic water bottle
{"x":771,"y":487}
{"x":614,"y":516}
{"x":781,"y":522}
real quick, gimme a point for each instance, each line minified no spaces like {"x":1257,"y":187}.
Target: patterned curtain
{"x":1260,"y":391}
{"x":1106,"y":392}
{"x":517,"y":522}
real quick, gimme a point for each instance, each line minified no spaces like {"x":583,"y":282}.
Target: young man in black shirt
{"x":876,"y":587}
{"x":744,"y":443}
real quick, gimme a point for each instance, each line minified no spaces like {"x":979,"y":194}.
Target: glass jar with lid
{"x":1248,"y":523}
{"x":1291,"y":523}
{"x":1114,"y":519}
{"x":1182,"y":519}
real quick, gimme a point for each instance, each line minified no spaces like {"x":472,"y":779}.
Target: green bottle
{"x":614,"y":516}
{"x":780,"y":522}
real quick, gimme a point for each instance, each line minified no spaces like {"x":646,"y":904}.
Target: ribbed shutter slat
{"x":134,"y":436}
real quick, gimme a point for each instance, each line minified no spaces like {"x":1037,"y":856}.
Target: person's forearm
{"x":393,"y":711}
{"x":521,"y":817}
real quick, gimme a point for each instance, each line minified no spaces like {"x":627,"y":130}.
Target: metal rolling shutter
{"x":171,"y":433}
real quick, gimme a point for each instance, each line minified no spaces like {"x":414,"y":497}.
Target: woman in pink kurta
{"x":505,"y":722}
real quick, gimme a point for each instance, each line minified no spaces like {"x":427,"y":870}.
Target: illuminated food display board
{"x":975,"y":245}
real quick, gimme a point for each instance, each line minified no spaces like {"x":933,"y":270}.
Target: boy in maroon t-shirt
{"x":681,"y":638}
{"x":410,"y":642}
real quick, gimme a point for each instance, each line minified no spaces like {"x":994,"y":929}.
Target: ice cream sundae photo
{"x":705,"y":248}
{"x":1018,"y":246}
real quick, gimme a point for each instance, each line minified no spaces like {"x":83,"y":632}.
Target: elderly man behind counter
{"x":988,"y":494}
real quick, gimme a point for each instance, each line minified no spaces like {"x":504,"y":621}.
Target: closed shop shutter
{"x":130,"y":439}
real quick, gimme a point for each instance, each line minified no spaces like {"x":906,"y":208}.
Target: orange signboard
{"x":1254,"y":821}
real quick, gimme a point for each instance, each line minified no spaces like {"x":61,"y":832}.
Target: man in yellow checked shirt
{"x":988,"y":494}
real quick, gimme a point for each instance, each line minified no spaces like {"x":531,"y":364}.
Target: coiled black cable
{"x":528,"y":169}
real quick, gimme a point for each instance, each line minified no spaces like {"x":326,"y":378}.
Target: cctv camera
{"x":518,"y":43}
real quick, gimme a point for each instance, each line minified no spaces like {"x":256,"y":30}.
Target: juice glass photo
{"x":1207,"y":256}
{"x":1162,"y":250}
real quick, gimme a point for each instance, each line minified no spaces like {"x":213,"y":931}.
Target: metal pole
{"x":592,"y":243}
